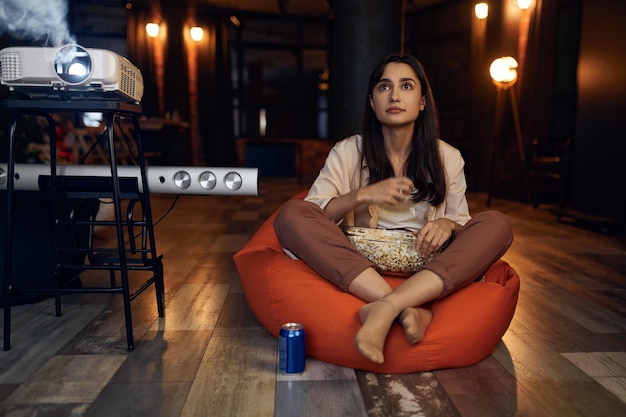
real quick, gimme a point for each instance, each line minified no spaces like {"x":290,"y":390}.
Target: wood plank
{"x":165,"y":356}
{"x":237,"y":377}
{"x":34,"y":343}
{"x":154,"y":399}
{"x":607,"y":368}
{"x":68,"y":379}
{"x":323,"y":389}
{"x":316,"y":370}
{"x":71,"y":409}
{"x":202,"y":274}
{"x":559,"y":325}
{"x":469,"y":387}
{"x":319,"y":399}
{"x":22,"y":314}
{"x":194,"y":307}
{"x":106,"y":334}
{"x":236,"y":313}
{"x":554,"y":382}
{"x":228,"y":243}
{"x":245,"y":216}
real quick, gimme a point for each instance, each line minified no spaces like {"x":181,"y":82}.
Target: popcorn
{"x":393,"y":251}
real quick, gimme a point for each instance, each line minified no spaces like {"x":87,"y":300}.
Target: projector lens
{"x":72,"y":64}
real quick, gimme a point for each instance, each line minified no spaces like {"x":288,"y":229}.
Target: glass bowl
{"x":393,"y":251}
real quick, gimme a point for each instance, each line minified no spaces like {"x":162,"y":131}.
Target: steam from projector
{"x":37,"y":20}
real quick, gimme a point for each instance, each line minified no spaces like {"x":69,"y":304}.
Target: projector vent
{"x":128,"y":80}
{"x":10,"y":66}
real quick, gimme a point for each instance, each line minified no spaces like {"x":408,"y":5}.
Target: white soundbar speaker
{"x":161,"y":179}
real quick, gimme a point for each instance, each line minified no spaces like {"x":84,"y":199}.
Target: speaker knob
{"x":182,"y":180}
{"x":232,"y":180}
{"x":207,"y":180}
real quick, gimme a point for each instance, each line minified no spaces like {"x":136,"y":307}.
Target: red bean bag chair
{"x":466,"y":326}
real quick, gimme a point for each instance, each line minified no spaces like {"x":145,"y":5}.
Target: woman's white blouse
{"x":343,"y":173}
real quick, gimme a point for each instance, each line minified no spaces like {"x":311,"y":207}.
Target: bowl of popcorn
{"x":393,"y":251}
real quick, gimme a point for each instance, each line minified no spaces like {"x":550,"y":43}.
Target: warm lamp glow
{"x":503,"y":71}
{"x":262,"y":122}
{"x":197,"y":33}
{"x":152,"y":29}
{"x":235,"y":21}
{"x":524,"y":4}
{"x":481,"y":10}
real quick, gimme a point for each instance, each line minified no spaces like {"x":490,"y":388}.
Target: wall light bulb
{"x":152,"y":29}
{"x":524,"y":4}
{"x":504,"y":70}
{"x":481,"y":10}
{"x":262,"y":122}
{"x":196,"y":33}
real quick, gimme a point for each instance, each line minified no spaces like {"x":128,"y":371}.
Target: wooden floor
{"x":563,"y":355}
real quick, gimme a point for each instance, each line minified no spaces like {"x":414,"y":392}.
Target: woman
{"x":398,"y":174}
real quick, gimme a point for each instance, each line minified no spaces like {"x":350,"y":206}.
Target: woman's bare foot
{"x":377,"y":318}
{"x":415,"y":321}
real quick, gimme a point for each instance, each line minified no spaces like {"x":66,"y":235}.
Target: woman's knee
{"x":498,"y":223}
{"x":293,"y":214}
{"x":289,"y":211}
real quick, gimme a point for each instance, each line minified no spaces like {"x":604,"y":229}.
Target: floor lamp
{"x":503,"y":72}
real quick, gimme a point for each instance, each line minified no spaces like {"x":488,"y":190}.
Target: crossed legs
{"x":385,"y":305}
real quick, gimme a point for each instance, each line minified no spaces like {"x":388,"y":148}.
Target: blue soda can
{"x":291,"y":348}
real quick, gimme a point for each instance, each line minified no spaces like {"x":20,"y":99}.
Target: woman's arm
{"x":454,"y":212}
{"x":390,"y":191}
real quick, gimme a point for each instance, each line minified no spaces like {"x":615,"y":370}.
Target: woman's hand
{"x":433,"y":235}
{"x":389,"y":191}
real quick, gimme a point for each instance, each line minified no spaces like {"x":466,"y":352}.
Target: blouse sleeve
{"x":455,"y":206}
{"x":338,"y":176}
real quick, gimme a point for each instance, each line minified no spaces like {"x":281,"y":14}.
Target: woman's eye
{"x":383,"y":87}
{"x":407,"y":86}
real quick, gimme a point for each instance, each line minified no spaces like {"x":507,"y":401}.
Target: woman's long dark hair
{"x":423,"y":166}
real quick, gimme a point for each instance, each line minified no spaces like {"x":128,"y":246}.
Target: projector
{"x":70,"y":72}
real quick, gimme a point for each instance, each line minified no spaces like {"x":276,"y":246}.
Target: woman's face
{"x":397,"y":98}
